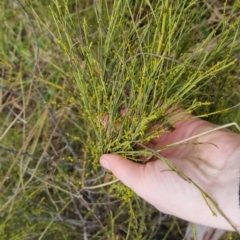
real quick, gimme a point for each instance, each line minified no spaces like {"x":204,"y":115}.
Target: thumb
{"x":128,"y":172}
{"x":146,"y":181}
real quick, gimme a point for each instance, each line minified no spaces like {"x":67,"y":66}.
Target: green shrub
{"x":68,"y":65}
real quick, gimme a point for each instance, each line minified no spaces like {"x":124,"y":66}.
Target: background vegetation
{"x":64,"y":66}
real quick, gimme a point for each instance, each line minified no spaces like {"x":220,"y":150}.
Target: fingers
{"x":140,"y":178}
{"x":148,"y":181}
{"x":152,"y":181}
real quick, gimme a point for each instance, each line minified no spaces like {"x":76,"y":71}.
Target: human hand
{"x":214,"y":166}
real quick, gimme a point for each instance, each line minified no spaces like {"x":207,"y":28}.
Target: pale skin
{"x":214,"y":165}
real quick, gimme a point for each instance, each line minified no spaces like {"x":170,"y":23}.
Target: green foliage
{"x":146,"y":62}
{"x":79,"y":79}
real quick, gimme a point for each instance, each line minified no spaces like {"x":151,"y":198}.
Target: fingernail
{"x":104,"y":163}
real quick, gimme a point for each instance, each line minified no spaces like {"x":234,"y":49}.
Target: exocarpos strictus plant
{"x":144,"y":58}
{"x":120,"y":68}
